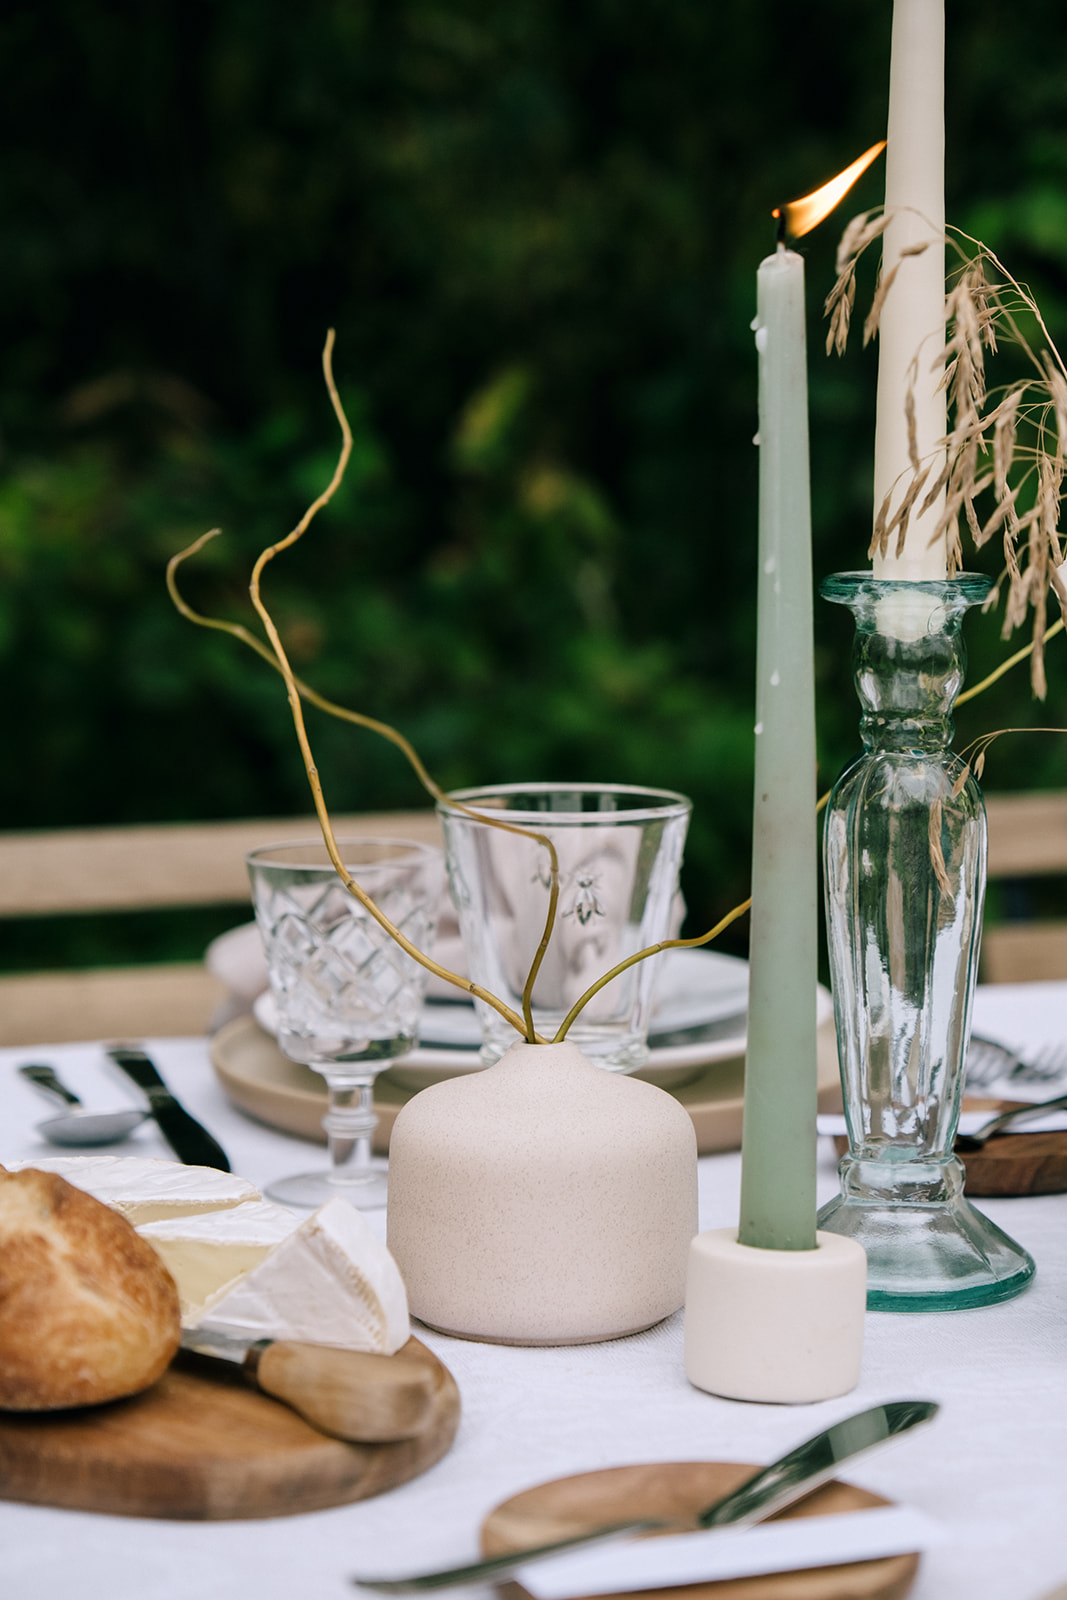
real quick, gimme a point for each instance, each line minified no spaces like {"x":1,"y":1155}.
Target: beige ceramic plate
{"x":263,"y":1082}
{"x":668,"y":1065}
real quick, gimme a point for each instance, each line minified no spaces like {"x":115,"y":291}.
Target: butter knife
{"x":190,"y":1142}
{"x":769,"y":1490}
{"x":350,"y":1394}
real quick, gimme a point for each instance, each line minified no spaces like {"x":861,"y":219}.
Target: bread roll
{"x":88,"y":1312}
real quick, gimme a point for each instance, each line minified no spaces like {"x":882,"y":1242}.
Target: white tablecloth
{"x":992,"y":1469}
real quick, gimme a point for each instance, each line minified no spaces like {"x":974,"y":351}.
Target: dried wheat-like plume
{"x":1006,"y":448}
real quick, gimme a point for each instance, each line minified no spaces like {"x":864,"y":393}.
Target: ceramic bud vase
{"x":904,"y":856}
{"x":542,"y":1201}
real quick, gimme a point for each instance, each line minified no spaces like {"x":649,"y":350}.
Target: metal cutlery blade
{"x":189,"y":1140}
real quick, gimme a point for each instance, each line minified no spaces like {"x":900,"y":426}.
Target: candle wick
{"x":779,"y":213}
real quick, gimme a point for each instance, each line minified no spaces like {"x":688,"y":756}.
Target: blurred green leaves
{"x":535,"y":228}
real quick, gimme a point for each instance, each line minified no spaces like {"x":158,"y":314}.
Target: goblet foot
{"x":941,"y":1255}
{"x":367,"y":1190}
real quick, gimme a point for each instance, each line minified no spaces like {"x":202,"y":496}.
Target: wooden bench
{"x":157,"y":867}
{"x":1027,"y":839}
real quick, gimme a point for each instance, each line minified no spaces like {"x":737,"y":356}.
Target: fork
{"x":989,"y":1061}
{"x":1047,"y":1063}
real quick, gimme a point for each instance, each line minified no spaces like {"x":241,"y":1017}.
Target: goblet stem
{"x":349,"y":1125}
{"x":349,"y":1122}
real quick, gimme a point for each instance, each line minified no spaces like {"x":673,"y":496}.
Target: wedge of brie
{"x":331,"y":1281}
{"x":147,"y":1190}
{"x":208,"y":1252}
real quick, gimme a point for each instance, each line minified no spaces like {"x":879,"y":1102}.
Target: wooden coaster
{"x":678,"y":1491}
{"x":1017,"y":1164}
{"x":200,"y":1445}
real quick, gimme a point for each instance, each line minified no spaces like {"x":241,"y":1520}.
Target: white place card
{"x":718,"y":1553}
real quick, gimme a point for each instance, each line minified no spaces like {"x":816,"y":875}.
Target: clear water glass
{"x":348,"y":998}
{"x":620,"y":852}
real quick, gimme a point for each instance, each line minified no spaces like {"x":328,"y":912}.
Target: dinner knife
{"x":351,"y":1394}
{"x":771,"y":1489}
{"x":190,"y":1142}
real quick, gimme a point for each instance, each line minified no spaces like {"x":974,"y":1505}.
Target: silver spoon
{"x":76,"y":1126}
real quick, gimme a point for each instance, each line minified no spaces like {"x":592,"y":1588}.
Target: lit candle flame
{"x":800,"y":216}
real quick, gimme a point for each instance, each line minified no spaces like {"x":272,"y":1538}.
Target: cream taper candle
{"x":778,"y":1149}
{"x":911,"y":326}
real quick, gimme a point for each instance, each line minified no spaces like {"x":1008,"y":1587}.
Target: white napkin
{"x":717,"y":1553}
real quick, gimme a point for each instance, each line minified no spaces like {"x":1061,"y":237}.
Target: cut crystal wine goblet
{"x":347,"y":997}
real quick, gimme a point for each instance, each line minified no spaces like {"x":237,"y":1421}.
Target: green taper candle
{"x":779,"y":1140}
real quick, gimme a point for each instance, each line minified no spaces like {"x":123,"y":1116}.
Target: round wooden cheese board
{"x":201,"y":1445}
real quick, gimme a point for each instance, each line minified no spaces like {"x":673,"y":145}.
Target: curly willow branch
{"x":345,"y":714}
{"x":297,"y":690}
{"x":653,"y":949}
{"x":276,"y":657}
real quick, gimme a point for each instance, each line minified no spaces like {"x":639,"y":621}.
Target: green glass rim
{"x":964,"y":588}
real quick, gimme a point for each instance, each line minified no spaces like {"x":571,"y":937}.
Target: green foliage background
{"x":535,"y":227}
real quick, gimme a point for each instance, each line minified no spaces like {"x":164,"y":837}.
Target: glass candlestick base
{"x":929,"y":1248}
{"x":904,"y":851}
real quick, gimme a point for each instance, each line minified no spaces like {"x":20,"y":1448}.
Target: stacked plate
{"x":697,"y":1053}
{"x":699,"y":1018}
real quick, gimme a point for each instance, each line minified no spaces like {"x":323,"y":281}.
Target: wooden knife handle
{"x":365,"y":1399}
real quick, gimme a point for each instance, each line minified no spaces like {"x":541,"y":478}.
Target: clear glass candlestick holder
{"x":348,"y":998}
{"x":904,"y":851}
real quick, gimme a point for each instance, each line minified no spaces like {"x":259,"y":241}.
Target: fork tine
{"x":1046,"y":1064}
{"x":987,"y":1062}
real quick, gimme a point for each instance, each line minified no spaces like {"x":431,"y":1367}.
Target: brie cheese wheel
{"x":147,"y":1190}
{"x":332,"y":1281}
{"x":207,"y":1253}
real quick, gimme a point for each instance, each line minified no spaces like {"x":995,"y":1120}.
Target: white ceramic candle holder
{"x":774,"y":1325}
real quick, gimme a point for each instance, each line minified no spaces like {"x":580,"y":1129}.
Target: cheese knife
{"x":349,"y":1394}
{"x":190,"y":1142}
{"x":769,"y":1490}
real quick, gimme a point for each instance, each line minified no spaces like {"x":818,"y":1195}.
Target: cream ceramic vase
{"x":543,"y":1201}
